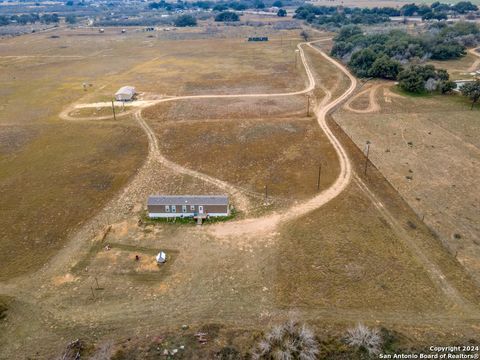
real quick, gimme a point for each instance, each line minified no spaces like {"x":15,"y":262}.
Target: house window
{"x":192,"y":207}
{"x":167,"y":208}
{"x":174,"y":208}
{"x":184,"y":208}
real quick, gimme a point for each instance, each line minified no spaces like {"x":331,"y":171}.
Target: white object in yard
{"x":161,"y":257}
{"x":125,"y":93}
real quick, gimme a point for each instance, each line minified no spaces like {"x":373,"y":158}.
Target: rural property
{"x":200,"y":180}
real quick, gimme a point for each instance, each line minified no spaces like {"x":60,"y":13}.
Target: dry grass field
{"x":46,"y":161}
{"x":363,"y":257}
{"x":408,"y":135}
{"x":251,"y":144}
{"x":53,"y":174}
{"x":242,"y":141}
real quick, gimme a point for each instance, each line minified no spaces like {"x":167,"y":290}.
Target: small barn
{"x":171,"y":206}
{"x":125,"y":93}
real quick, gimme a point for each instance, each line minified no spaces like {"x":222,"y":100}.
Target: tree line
{"x":340,"y":16}
{"x":219,"y":6}
{"x":388,"y":55}
{"x":397,"y":55}
{"x":25,"y":19}
{"x":396,"y":48}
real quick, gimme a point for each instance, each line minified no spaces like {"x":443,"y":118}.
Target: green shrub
{"x":185,"y":20}
{"x":227,"y":16}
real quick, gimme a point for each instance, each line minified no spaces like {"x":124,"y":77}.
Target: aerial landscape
{"x":249,"y":179}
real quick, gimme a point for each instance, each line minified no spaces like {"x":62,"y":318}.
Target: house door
{"x":200,"y":209}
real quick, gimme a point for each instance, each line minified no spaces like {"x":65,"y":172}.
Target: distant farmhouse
{"x":196,"y":206}
{"x":125,"y":93}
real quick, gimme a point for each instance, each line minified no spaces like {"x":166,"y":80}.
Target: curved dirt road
{"x":373,"y":105}
{"x":147,"y":103}
{"x":63,"y":260}
{"x":241,"y":200}
{"x":265,"y":223}
{"x":476,"y":63}
{"x":269,"y":222}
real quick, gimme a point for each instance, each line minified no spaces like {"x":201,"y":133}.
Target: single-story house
{"x":164,"y":206}
{"x":125,"y":93}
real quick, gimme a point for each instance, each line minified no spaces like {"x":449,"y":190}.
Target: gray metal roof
{"x":126,"y":90}
{"x":187,"y":200}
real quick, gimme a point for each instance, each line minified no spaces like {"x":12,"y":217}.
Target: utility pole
{"x":368,"y":152}
{"x":113,"y":109}
{"x":266,"y":194}
{"x":319,"y":174}
{"x":308,"y":105}
{"x":93,"y":294}
{"x":296,"y":57}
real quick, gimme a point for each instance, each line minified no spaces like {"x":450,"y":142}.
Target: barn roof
{"x":130,"y":90}
{"x":187,"y":200}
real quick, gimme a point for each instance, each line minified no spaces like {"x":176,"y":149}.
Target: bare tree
{"x":287,"y":341}
{"x":365,"y":338}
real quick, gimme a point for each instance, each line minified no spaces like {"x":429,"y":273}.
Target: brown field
{"x":408,"y":134}
{"x":364,"y":257}
{"x":251,"y":144}
{"x":360,"y":263}
{"x":46,"y":161}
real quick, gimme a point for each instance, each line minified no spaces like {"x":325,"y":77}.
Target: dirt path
{"x":241,"y":201}
{"x":121,"y":203}
{"x":255,"y":227}
{"x":373,"y":105}
{"x":310,"y":87}
{"x":144,"y":103}
{"x":476,"y":63}
{"x":266,"y":223}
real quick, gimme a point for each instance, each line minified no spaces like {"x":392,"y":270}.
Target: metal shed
{"x":125,"y":93}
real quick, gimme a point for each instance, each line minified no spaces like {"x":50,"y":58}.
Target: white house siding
{"x":179,"y":215}
{"x":170,"y":215}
